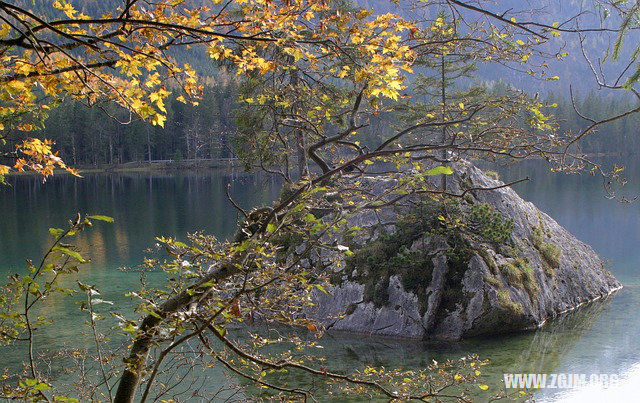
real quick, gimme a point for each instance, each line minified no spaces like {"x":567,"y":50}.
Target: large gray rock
{"x":545,"y":272}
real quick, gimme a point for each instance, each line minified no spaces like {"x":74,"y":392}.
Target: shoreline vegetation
{"x":148,"y":166}
{"x":193,"y":164}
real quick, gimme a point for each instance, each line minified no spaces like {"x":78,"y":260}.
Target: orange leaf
{"x":235,"y":307}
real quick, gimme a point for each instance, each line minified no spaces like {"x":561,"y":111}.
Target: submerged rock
{"x":492,"y":263}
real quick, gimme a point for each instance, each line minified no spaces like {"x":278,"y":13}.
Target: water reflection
{"x":600,"y":338}
{"x":542,"y":351}
{"x":143,"y":206}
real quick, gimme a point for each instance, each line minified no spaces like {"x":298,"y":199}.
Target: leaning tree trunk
{"x":137,"y":359}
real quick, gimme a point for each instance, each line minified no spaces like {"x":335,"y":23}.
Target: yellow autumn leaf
{"x":4,"y":30}
{"x":17,"y":85}
{"x":24,"y":68}
{"x":158,"y":120}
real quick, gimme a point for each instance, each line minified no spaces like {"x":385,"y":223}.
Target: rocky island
{"x":486,"y":263}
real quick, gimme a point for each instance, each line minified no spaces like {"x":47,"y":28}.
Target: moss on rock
{"x":494,"y":281}
{"x":505,"y":301}
{"x":519,"y":274}
{"x":391,"y":253}
{"x":549,"y":252}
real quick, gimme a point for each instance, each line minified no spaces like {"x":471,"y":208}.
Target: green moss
{"x":492,"y":175}
{"x":519,"y":274}
{"x":389,"y":255}
{"x":469,"y":198}
{"x":451,"y":298}
{"x":509,"y":251}
{"x":549,"y":252}
{"x":458,"y":258}
{"x":378,"y":292}
{"x":504,"y":299}
{"x":494,"y":281}
{"x":374,"y":263}
{"x":530,"y":283}
{"x":512,"y":275}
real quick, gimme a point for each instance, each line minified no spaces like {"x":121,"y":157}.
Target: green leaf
{"x":31,"y":382}
{"x":271,"y":228}
{"x":441,"y":170}
{"x":321,"y":288}
{"x":221,"y":330}
{"x":208,"y":284}
{"x":101,"y":218}
{"x":243,"y":246}
{"x":70,"y":253}
{"x":42,"y":386}
{"x":623,"y":30}
{"x":84,"y":287}
{"x":56,"y":232}
{"x":319,"y":189}
{"x":65,"y":399}
{"x":129,"y":328}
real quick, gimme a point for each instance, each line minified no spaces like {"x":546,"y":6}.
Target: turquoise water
{"x":601,"y":338}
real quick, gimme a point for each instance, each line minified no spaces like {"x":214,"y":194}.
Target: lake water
{"x":601,"y":338}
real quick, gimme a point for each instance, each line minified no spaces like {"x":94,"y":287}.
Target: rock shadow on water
{"x":542,"y":350}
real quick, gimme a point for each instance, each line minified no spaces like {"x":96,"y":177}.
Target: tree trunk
{"x":298,"y":134}
{"x":148,"y":144}
{"x":73,"y":149}
{"x":137,"y":359}
{"x":111,"y":149}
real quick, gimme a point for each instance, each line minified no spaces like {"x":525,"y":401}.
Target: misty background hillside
{"x":94,"y":136}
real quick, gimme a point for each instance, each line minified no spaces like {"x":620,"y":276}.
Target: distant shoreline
{"x":146,"y":166}
{"x":183,"y":165}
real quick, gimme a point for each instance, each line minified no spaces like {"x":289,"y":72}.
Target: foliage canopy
{"x":317,"y":75}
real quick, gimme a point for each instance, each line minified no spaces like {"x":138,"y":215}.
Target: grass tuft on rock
{"x":519,"y":274}
{"x":505,"y":301}
{"x":494,"y":281}
{"x":550,"y":253}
